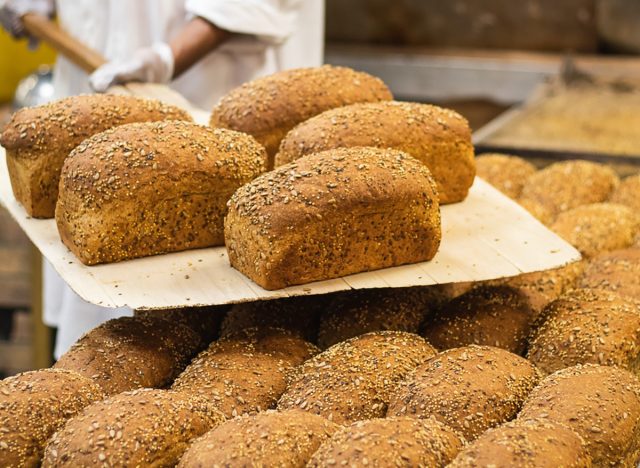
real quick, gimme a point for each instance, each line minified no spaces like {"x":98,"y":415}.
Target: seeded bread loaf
{"x":33,"y":406}
{"x":204,"y":320}
{"x":439,"y":138}
{"x":38,"y":139}
{"x":269,"y":107}
{"x":332,"y":214}
{"x":505,"y":172}
{"x":149,"y":188}
{"x":617,"y":271}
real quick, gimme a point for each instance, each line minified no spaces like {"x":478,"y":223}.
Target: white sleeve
{"x":270,"y":19}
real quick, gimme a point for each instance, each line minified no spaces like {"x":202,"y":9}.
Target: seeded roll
{"x":246,"y":372}
{"x":132,"y":352}
{"x":497,"y":316}
{"x":269,"y":107}
{"x":353,"y":380}
{"x":599,"y":403}
{"x":390,"y":442}
{"x":528,"y":444}
{"x":568,"y":184}
{"x":145,"y":427}
{"x":588,"y":326}
{"x":617,"y":271}
{"x":34,"y":405}
{"x":38,"y":140}
{"x":332,"y":214}
{"x":271,"y":438}
{"x":598,"y":228}
{"x":205,"y":321}
{"x":439,"y":138}
{"x":628,"y":193}
{"x":354,"y":313}
{"x":505,"y":172}
{"x":470,"y":389}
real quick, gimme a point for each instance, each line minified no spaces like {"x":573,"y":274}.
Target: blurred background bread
{"x":505,"y":172}
{"x":628,"y":193}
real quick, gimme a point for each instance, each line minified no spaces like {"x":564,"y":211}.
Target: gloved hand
{"x":149,"y":65}
{"x":11,"y":12}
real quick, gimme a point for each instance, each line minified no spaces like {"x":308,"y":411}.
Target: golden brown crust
{"x":439,"y":138}
{"x":34,"y":405}
{"x":532,"y":443}
{"x":353,"y":313}
{"x":497,"y":316}
{"x":148,"y":188}
{"x":587,"y":326}
{"x":597,"y":228}
{"x":599,"y":403}
{"x":269,"y":107}
{"x":287,"y":438}
{"x":332,"y":214}
{"x":537,"y":210}
{"x":132,"y":352}
{"x":470,"y":389}
{"x":38,"y":139}
{"x":205,"y":320}
{"x":617,"y":271}
{"x":390,"y":442}
{"x":352,"y":380}
{"x":505,"y":172}
{"x":568,"y":184}
{"x":144,"y":427}
{"x":628,"y":193}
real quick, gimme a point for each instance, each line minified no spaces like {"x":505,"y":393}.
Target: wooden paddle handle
{"x":49,"y":32}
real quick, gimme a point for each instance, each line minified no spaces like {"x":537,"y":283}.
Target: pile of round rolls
{"x":536,"y":370}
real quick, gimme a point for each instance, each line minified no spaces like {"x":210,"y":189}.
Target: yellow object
{"x":17,"y":61}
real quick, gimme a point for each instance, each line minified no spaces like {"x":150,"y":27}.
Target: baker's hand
{"x":12,"y":11}
{"x":149,"y":65}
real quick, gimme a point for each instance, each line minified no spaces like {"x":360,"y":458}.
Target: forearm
{"x":197,"y":39}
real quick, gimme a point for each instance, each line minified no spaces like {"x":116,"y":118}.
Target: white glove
{"x":149,"y":65}
{"x":12,"y":11}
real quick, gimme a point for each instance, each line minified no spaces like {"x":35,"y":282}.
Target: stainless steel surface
{"x":35,"y":89}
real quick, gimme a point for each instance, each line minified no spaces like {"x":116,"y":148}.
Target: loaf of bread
{"x":332,"y":214}
{"x":145,"y":427}
{"x":246,"y":372}
{"x":269,"y":107}
{"x":498,"y":316}
{"x":353,"y":379}
{"x":588,"y":326}
{"x":270,"y":438}
{"x":598,"y":228}
{"x":599,"y":403}
{"x":628,"y":193}
{"x":204,"y":320}
{"x":34,"y":405}
{"x":149,"y":188}
{"x":439,"y":138}
{"x":531,"y":443}
{"x":390,"y":442}
{"x":470,"y":389}
{"x":505,"y":172}
{"x":617,"y":271}
{"x":38,"y":139}
{"x":353,"y":313}
{"x":132,"y":352}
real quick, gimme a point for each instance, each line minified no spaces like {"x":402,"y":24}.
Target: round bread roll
{"x":132,"y":352}
{"x":38,"y":139}
{"x":537,"y":210}
{"x":269,"y":107}
{"x":469,"y":389}
{"x":617,"y":271}
{"x":568,"y":184}
{"x":535,"y":443}
{"x":628,"y":193}
{"x":145,"y":427}
{"x":497,"y":316}
{"x":439,"y":138}
{"x":34,"y":405}
{"x":354,"y":313}
{"x":352,"y":380}
{"x":505,"y":172}
{"x":597,"y":228}
{"x":270,"y":438}
{"x":246,"y":372}
{"x":151,"y":188}
{"x":599,"y":403}
{"x":390,"y":442}
{"x":588,"y":326}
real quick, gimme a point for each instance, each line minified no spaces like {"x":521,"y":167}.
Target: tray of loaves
{"x":306,"y":182}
